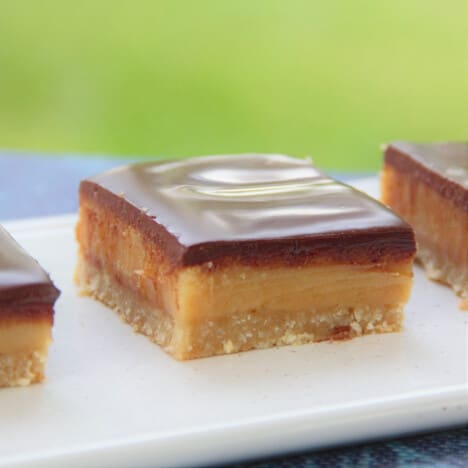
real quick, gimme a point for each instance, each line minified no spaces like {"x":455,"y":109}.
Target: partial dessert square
{"x":427,"y":184}
{"x":221,"y":254}
{"x":27,"y":298}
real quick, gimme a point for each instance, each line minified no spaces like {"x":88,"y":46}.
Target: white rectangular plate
{"x":112,"y":398}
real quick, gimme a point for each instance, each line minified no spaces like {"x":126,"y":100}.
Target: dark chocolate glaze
{"x":443,"y":166}
{"x":22,"y":280}
{"x":253,"y":207}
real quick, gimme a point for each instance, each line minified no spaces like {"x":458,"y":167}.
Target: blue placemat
{"x":442,"y":449}
{"x":40,"y":185}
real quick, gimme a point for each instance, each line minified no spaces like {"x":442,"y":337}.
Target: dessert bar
{"x":220,"y":254}
{"x":27,"y":298}
{"x":427,"y":184}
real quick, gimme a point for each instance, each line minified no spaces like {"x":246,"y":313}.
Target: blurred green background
{"x":332,"y":79}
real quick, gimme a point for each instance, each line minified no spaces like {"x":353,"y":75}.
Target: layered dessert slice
{"x":427,"y":184}
{"x":27,"y":298}
{"x":222,"y":254}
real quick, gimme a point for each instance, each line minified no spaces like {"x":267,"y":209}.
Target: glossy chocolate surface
{"x":443,"y":166}
{"x":22,"y":280}
{"x":252,"y":205}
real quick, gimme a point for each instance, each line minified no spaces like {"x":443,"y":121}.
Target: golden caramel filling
{"x":232,"y":290}
{"x":21,"y":335}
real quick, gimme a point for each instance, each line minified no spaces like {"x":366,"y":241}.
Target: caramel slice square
{"x":27,"y":297}
{"x":221,"y":254}
{"x":427,"y":184}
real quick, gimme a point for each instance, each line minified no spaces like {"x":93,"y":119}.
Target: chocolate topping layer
{"x":252,"y":207}
{"x":443,"y":166}
{"x":22,"y":280}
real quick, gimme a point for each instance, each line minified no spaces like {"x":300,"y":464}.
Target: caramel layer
{"x":24,"y":335}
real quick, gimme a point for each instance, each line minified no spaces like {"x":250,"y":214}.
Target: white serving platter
{"x":113,"y":399}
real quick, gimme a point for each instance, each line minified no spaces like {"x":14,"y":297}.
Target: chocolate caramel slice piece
{"x":27,"y":297}
{"x":427,"y":184}
{"x":221,"y":254}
